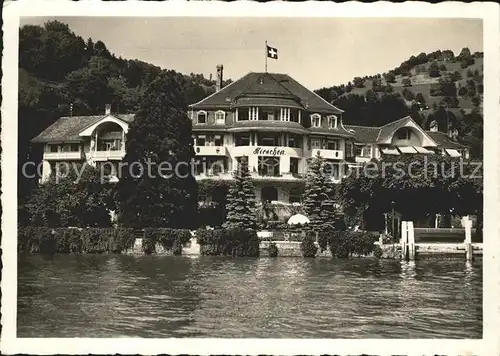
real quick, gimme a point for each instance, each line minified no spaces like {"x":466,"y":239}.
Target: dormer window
{"x":201,"y":117}
{"x":332,"y":122}
{"x":403,"y":134}
{"x":220,"y":117}
{"x":316,"y":120}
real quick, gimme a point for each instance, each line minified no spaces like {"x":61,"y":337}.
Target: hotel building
{"x":273,"y":120}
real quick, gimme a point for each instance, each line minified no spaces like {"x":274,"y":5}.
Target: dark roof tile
{"x":444,"y":141}
{"x":272,"y":84}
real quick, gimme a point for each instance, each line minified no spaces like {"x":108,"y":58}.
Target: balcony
{"x":63,"y":156}
{"x":213,"y":175}
{"x":210,"y":150}
{"x":106,"y":155}
{"x":328,"y":154}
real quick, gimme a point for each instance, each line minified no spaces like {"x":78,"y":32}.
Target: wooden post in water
{"x":404,"y":239}
{"x":411,"y":241}
{"x":467,"y":222}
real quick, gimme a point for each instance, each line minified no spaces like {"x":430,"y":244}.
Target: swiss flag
{"x":272,"y":52}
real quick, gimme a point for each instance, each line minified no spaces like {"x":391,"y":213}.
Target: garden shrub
{"x":377,"y":252}
{"x":96,"y":240}
{"x":170,"y":239}
{"x":228,"y":242}
{"x":308,"y":247}
{"x":36,"y":239}
{"x":344,"y":244}
{"x":272,"y":250}
{"x":122,"y":239}
{"x":68,"y":240}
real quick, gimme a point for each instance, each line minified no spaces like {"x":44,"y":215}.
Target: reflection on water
{"x":161,"y":296}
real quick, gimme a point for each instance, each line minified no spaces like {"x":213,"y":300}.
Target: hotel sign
{"x":275,"y":151}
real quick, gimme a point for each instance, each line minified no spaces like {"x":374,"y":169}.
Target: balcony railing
{"x":106,"y":155}
{"x":328,"y":154}
{"x":210,"y":150}
{"x":62,"y":156}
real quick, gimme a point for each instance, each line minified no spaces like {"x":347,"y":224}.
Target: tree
{"x":476,"y":101}
{"x":390,"y":77}
{"x":462,"y":91}
{"x":442,"y":67}
{"x":420,"y":98}
{"x":408,"y":94}
{"x":157,"y":187}
{"x":434,"y":70}
{"x":455,"y":76}
{"x":241,"y":207}
{"x":318,"y":196}
{"x":358,"y":82}
{"x":406,"y":82}
{"x":71,"y":200}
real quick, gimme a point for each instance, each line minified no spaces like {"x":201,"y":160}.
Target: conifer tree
{"x":157,"y":187}
{"x":240,"y":207}
{"x":318,"y":196}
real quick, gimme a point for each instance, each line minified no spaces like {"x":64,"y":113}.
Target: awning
{"x":422,"y":150}
{"x":407,"y":149}
{"x":453,"y":153}
{"x":390,"y":151}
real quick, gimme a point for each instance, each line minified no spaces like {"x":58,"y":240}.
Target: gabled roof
{"x":388,"y":129}
{"x":67,"y":128}
{"x":444,"y":141}
{"x":267,"y":84}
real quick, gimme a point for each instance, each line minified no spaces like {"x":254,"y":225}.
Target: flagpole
{"x":266,"y":57}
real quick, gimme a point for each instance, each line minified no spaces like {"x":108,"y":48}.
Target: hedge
{"x":39,"y":239}
{"x":344,"y":244}
{"x":228,"y":242}
{"x":169,"y":239}
{"x":272,"y":250}
{"x":308,"y":247}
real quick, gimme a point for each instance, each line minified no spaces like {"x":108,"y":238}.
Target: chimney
{"x":218,"y":84}
{"x":107,"y":110}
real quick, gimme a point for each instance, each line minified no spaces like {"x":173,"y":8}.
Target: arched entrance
{"x":269,"y":194}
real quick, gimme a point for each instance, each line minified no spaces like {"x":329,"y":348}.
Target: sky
{"x":316,"y":52}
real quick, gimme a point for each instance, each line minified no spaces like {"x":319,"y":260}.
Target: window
{"x":363,"y":151}
{"x":403,"y":134}
{"x":53,"y":148}
{"x":218,"y":140}
{"x":269,"y":166}
{"x":332,"y":122}
{"x":316,"y":120}
{"x":242,"y":114}
{"x":332,"y":145}
{"x":294,"y":116}
{"x":254,"y":113}
{"x":294,"y":165}
{"x":316,"y":144}
{"x":220,"y":117}
{"x":202,"y":117}
{"x":201,"y":140}
{"x":268,"y":139}
{"x":242,"y":140}
{"x":349,"y":149}
{"x":285,"y":114}
{"x":294,"y":140}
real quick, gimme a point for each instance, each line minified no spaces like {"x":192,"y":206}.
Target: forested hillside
{"x":61,"y":74}
{"x":435,"y":86}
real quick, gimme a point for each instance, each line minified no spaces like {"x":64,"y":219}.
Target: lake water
{"x":161,"y":296}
